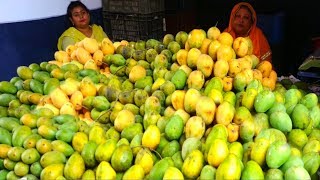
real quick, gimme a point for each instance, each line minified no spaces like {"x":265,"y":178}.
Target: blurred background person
{"x":243,"y":23}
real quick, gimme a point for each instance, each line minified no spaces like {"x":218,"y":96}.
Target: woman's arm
{"x":66,"y":41}
{"x":105,"y":35}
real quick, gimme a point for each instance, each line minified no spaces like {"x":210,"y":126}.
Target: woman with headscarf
{"x":243,"y":23}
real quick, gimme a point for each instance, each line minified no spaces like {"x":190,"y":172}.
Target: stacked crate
{"x":133,"y":20}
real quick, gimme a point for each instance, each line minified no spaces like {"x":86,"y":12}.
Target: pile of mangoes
{"x":195,"y":105}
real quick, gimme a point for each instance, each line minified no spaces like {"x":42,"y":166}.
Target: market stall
{"x":148,"y":104}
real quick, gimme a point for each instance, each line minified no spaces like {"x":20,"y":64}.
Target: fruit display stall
{"x":190,"y":105}
{"x":193,"y":105}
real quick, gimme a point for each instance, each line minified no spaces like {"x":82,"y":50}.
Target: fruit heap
{"x":196,"y":105}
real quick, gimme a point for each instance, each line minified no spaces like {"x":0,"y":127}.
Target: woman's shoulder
{"x":96,"y":26}
{"x":98,"y":32}
{"x":69,"y":30}
{"x":259,"y":31}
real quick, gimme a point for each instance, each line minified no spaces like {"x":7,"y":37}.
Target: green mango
{"x":230,"y":168}
{"x":41,"y":76}
{"x":139,"y":54}
{"x":144,"y":82}
{"x":9,"y":123}
{"x":101,"y":103}
{"x":179,"y":79}
{"x":159,"y":168}
{"x":118,"y":60}
{"x":272,"y":174}
{"x":140,"y":45}
{"x":300,"y":116}
{"x":5,"y":136}
{"x":151,"y":55}
{"x":292,"y":161}
{"x":122,"y":158}
{"x":297,"y":172}
{"x":264,"y":101}
{"x":74,"y":167}
{"x":177,"y":159}
{"x":150,"y":43}
{"x":252,"y":170}
{"x":88,"y":153}
{"x":6,"y":98}
{"x":170,"y":149}
{"x":311,"y":162}
{"x":49,"y":85}
{"x":36,"y":86}
{"x":19,"y":135}
{"x":52,"y":157}
{"x":174,"y":127}
{"x":131,"y":131}
{"x":8,"y":87}
{"x":213,"y":83}
{"x":278,"y":153}
{"x":70,"y":67}
{"x":208,"y":172}
{"x":281,"y":120}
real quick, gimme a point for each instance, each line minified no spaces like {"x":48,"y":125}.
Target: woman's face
{"x":242,"y":22}
{"x":80,"y":17}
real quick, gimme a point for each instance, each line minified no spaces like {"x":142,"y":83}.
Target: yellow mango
{"x":70,"y":49}
{"x":107,"y":46}
{"x":192,"y":57}
{"x":190,"y":100}
{"x":144,"y":158}
{"x":124,"y":119}
{"x":206,"y":108}
{"x":52,"y":171}
{"x":182,"y":55}
{"x":82,"y":55}
{"x":195,"y":127}
{"x":90,"y":64}
{"x":90,"y":44}
{"x":205,"y":46}
{"x":218,"y":152}
{"x":230,"y":168}
{"x":213,"y":33}
{"x":105,"y":171}
{"x":97,"y":57}
{"x":69,"y":86}
{"x":221,"y":68}
{"x":76,"y":99}
{"x":61,"y":56}
{"x":193,"y":164}
{"x":225,"y":113}
{"x":177,"y":99}
{"x":213,"y":48}
{"x":196,"y":80}
{"x":205,"y":64}
{"x":68,"y":108}
{"x":58,"y":97}
{"x":79,"y":140}
{"x":225,"y":38}
{"x":87,"y":87}
{"x":134,"y":172}
{"x":226,"y":53}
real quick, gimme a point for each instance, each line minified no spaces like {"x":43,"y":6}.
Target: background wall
{"x":29,"y":31}
{"x":17,"y":10}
